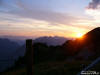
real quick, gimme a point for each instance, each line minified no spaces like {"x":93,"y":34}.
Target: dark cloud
{"x":94,"y":4}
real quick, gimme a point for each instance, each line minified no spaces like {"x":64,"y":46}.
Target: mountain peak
{"x":92,"y":36}
{"x":96,"y":29}
{"x":94,"y":33}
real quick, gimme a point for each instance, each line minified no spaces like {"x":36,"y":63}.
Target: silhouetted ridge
{"x":91,"y":43}
{"x":93,"y":35}
{"x":95,"y":32}
{"x":87,"y":47}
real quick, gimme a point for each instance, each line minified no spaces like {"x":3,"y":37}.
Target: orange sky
{"x":66,"y":18}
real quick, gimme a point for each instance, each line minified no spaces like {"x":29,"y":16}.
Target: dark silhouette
{"x":29,"y":57}
{"x":85,"y":48}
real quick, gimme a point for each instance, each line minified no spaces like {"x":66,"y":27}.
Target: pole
{"x":29,"y":57}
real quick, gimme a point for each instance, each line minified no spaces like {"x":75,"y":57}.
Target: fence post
{"x":29,"y":57}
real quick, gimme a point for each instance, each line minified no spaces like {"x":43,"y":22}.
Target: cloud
{"x":93,"y":10}
{"x":94,"y":4}
{"x":34,"y":16}
{"x":38,"y":11}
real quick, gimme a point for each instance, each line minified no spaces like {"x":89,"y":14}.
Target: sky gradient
{"x":35,"y":18}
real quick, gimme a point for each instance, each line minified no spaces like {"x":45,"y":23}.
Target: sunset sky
{"x":35,"y":18}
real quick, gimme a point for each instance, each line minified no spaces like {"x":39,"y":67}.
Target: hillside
{"x":7,"y":48}
{"x":73,"y":55}
{"x":87,"y":47}
{"x":91,"y":43}
{"x":52,"y":68}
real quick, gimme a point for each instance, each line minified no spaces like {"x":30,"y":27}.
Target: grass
{"x":52,"y":68}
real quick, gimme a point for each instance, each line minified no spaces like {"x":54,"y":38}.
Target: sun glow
{"x":79,"y":35}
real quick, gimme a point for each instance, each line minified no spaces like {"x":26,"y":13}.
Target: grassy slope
{"x":52,"y":68}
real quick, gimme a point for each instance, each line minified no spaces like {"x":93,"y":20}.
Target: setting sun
{"x":79,"y":35}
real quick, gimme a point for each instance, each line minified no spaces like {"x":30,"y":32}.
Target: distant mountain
{"x":7,"y":48}
{"x":51,"y":40}
{"x":54,"y":41}
{"x":19,"y":39}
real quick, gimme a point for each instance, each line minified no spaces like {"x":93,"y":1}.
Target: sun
{"x":79,"y":35}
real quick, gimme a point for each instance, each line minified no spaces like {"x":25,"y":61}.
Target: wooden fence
{"x":29,"y":57}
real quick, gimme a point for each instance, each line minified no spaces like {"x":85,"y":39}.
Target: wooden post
{"x":29,"y":57}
